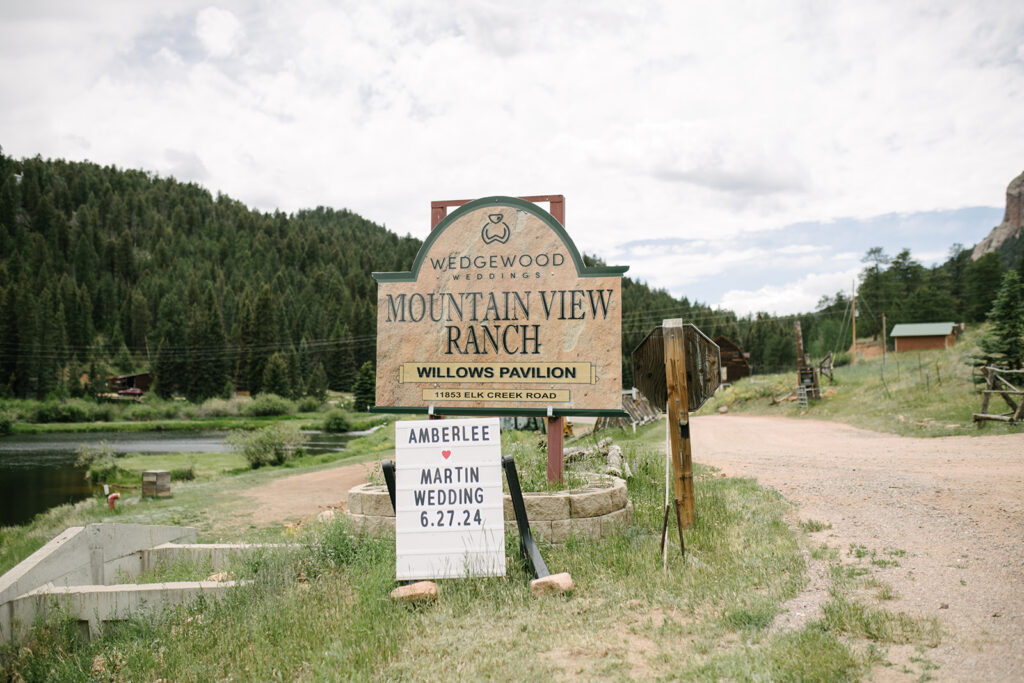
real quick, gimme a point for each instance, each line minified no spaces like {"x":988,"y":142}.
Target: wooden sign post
{"x":678,"y":367}
{"x":678,"y":413}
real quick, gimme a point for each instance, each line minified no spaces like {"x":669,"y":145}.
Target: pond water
{"x":37,"y":471}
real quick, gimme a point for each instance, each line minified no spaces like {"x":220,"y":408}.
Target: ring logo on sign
{"x":490,"y":234}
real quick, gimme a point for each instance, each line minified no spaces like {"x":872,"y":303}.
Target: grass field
{"x":322,"y":611}
{"x":926,"y":393}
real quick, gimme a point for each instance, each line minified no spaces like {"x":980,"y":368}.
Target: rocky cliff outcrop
{"x":1013,"y":220}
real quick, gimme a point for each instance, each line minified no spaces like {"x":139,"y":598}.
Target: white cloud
{"x":799,"y":296}
{"x":218,"y":30}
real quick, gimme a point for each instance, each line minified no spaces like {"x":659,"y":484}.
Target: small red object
{"x":111,"y":498}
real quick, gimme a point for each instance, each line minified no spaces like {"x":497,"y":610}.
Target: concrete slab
{"x":96,"y":604}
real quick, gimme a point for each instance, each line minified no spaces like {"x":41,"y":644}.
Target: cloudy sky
{"x":742,"y":154}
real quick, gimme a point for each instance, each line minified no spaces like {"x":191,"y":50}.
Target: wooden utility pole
{"x":853,"y":316}
{"x":678,"y":412}
{"x":885,"y":349}
{"x":801,"y":360}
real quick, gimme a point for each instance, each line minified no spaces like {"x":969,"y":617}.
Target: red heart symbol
{"x":446,"y":454}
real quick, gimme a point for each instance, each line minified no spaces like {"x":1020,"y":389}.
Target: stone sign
{"x":500,"y":316}
{"x":449,"y":516}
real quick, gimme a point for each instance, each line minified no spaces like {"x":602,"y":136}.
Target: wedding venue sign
{"x":500,"y":316}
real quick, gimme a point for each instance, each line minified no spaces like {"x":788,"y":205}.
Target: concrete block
{"x":220,"y":555}
{"x":376,"y":501}
{"x":560,"y":529}
{"x":591,"y":503}
{"x":354,"y":501}
{"x":615,"y":520}
{"x":546,"y":506}
{"x":375,"y":525}
{"x":619,"y":494}
{"x":587,"y":527}
{"x":357,"y":522}
{"x":44,"y":565}
{"x":540,"y":529}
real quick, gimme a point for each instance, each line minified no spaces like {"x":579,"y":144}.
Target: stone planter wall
{"x":592,"y":512}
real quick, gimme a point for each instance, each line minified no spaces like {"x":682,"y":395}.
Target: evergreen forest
{"x":108,"y":271}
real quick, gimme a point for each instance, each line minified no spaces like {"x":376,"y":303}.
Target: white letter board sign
{"x":449,"y":519}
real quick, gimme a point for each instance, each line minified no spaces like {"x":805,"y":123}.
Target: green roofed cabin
{"x":924,"y":336}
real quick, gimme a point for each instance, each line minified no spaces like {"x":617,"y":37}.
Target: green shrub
{"x":840,"y":359}
{"x":219,"y":407}
{"x":309,"y":404}
{"x":273,"y":445}
{"x":105,"y":471}
{"x":88,"y":454}
{"x":101,"y":462}
{"x":267,"y":404}
{"x":74,"y":410}
{"x":139,"y":413}
{"x":6,"y":423}
{"x":184,"y":473}
{"x":172,"y":409}
{"x":337,"y":421}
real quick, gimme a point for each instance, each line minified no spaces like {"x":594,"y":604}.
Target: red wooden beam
{"x":556,"y":203}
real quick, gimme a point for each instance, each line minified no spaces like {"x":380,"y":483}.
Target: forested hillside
{"x":104,"y":270}
{"x":119,"y":271}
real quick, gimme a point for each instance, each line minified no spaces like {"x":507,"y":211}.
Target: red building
{"x":924,"y":336}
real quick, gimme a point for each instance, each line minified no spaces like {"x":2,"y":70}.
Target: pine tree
{"x":340,"y":362}
{"x":74,"y":383}
{"x":304,"y":363}
{"x":264,"y":337}
{"x":296,"y":384}
{"x":1004,"y":345}
{"x":275,"y":376}
{"x":205,"y":363}
{"x":364,"y":387}
{"x":97,"y":379}
{"x":318,"y":383}
{"x":983,"y":280}
{"x":167,"y":370}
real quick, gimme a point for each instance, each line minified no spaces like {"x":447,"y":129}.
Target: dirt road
{"x":955,"y":505}
{"x":303,"y":495}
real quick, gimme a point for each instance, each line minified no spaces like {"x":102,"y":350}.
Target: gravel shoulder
{"x":954,"y":505}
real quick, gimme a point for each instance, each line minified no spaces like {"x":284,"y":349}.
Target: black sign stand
{"x":526,"y":543}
